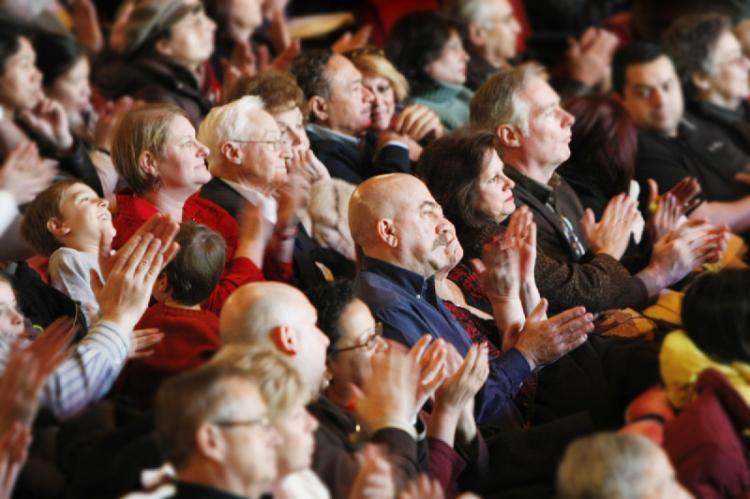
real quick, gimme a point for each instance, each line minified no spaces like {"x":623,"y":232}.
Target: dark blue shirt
{"x":408,"y":306}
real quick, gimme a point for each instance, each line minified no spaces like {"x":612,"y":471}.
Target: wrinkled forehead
{"x":263,"y":125}
{"x":341,"y":72}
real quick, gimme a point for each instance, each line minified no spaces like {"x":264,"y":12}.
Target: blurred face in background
{"x":384,"y":101}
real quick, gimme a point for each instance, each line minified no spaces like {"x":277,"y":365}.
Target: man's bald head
{"x":254,"y":310}
{"x":375,"y":199}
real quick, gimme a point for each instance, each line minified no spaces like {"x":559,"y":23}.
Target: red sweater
{"x":191,"y":337}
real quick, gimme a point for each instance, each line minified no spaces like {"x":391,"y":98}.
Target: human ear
{"x":164,"y":47}
{"x":147,"y":163}
{"x":476,"y":34}
{"x":319,"y":108}
{"x":231,"y":153}
{"x":57,"y":227}
{"x":210,"y":442}
{"x":509,"y":136}
{"x":285,"y":340}
{"x":700,"y":80}
{"x":387,"y":233}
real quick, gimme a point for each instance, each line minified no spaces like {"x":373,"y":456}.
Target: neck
{"x":170,"y":302}
{"x":8,"y":113}
{"x":387,"y":255}
{"x":339,"y":394}
{"x":83,"y":246}
{"x":441,"y":284}
{"x":532,"y":169}
{"x":169,"y":201}
{"x":211,"y":474}
{"x":722,"y":101}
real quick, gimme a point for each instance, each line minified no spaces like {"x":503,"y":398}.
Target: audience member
{"x":534,"y":132}
{"x":617,"y":466}
{"x":339,"y":107}
{"x":214,"y":428}
{"x":166,"y":51}
{"x":671,"y":146}
{"x":190,"y":334}
{"x":426,"y":48}
{"x":713,"y":71}
{"x":416,"y":123}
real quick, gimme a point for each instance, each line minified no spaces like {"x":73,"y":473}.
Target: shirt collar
{"x":411,"y":282}
{"x":329,"y":134}
{"x":268,"y":204}
{"x":540,"y":191}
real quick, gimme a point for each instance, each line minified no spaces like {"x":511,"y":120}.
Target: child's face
{"x":84,"y":215}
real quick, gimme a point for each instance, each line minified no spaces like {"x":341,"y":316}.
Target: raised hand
{"x":667,"y":209}
{"x":543,"y":341}
{"x":306,"y":164}
{"x":48,"y":120}
{"x":422,"y":487}
{"x":14,"y":444}
{"x":374,"y":479}
{"x":590,"y":58}
{"x":418,"y":122}
{"x":466,"y":378}
{"x":255,"y":233}
{"x":25,"y":174}
{"x":117,"y":34}
{"x":348,"y":42}
{"x":430,"y":356}
{"x":612,"y":233}
{"x":86,"y":25}
{"x":143,"y":340}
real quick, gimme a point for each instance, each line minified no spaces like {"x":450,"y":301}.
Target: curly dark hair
{"x":330,"y":300}
{"x":416,"y":40}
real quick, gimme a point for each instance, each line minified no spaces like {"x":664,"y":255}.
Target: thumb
{"x":478,"y":266}
{"x":96,"y":283}
{"x":653,"y":191}
{"x":588,"y":219}
{"x":539,"y":311}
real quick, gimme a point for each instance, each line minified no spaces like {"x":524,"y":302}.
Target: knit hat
{"x":151,"y":18}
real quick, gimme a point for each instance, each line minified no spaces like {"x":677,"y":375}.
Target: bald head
{"x":377,"y":198}
{"x":254,"y":310}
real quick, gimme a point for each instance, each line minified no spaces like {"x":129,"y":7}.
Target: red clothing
{"x":133,"y":211}
{"x":191,"y":337}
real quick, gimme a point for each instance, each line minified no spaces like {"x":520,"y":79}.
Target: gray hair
{"x":467,"y":11}
{"x":616,"y":466}
{"x":228,"y":122}
{"x":497,"y":101}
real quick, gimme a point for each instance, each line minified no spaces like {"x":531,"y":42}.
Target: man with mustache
{"x":339,"y":107}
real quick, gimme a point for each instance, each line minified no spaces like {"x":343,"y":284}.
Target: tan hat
{"x":150,"y":18}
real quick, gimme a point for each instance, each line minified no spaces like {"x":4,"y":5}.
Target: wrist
{"x":528,"y":356}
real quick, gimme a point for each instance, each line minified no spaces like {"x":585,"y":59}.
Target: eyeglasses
{"x":275,"y":144}
{"x":369,"y":344}
{"x":262,"y":421}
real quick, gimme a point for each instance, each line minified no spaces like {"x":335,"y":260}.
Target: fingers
{"x":566,"y":316}
{"x":417,"y":351}
{"x":540,"y":311}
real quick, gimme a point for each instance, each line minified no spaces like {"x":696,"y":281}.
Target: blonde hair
{"x":376,"y":64}
{"x":142,"y":129}
{"x":279,"y":383}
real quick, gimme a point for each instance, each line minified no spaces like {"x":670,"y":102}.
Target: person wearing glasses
{"x":214,"y":427}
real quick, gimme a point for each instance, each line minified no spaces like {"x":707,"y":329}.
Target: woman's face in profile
{"x":494,"y":195}
{"x":450,"y":66}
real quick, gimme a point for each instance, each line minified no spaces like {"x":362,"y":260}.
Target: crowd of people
{"x":482,"y":248}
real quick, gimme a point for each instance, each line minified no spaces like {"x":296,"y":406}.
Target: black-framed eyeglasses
{"x":275,"y":144}
{"x":263,"y":421}
{"x":369,"y":344}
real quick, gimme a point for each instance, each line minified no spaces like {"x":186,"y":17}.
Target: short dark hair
{"x":278,"y":90}
{"x":309,"y":69}
{"x":195,"y":270}
{"x":330,"y":300}
{"x":604,"y":143}
{"x":450,"y":167}
{"x":416,"y":40}
{"x":55,"y":55}
{"x":716,"y":314}
{"x":633,"y":54}
{"x":46,"y":205}
{"x":691,"y":41}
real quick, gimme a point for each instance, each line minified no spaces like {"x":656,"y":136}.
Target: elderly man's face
{"x":250,"y":441}
{"x":265,"y":153}
{"x":495,"y":36}
{"x":653,"y":96}
{"x":350,"y":102}
{"x":312,"y":343}
{"x":727,"y":86}
{"x":548,"y":138}
{"x":426,"y":239}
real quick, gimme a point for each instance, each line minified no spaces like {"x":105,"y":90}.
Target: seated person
{"x":156,"y":152}
{"x":199,"y":417}
{"x":671,"y":145}
{"x":67,"y":222}
{"x":339,"y":107}
{"x":533,"y":131}
{"x":713,"y":71}
{"x":618,"y":465}
{"x":418,"y":124}
{"x":165,"y":58}
{"x":714,"y":318}
{"x":96,"y":361}
{"x":28,"y":114}
{"x":283,"y":99}
{"x":427,"y":49}
{"x":286,"y":397}
{"x":190,"y":334}
{"x":355,"y":339}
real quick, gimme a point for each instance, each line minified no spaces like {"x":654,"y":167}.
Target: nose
{"x":285,"y":152}
{"x":367,"y":95}
{"x":567,"y":119}
{"x":16,"y":317}
{"x":515,"y":26}
{"x":464,"y":55}
{"x":103,"y":202}
{"x":657,"y":98}
{"x":509,"y":184}
{"x":326,"y":341}
{"x":203,"y":151}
